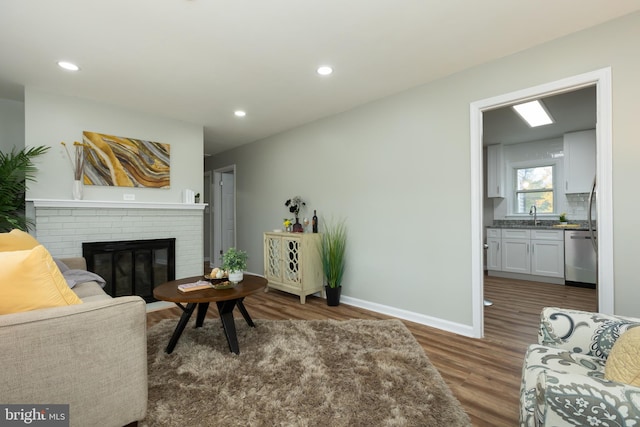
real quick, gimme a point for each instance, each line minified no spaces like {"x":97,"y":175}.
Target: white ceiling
{"x":199,"y":60}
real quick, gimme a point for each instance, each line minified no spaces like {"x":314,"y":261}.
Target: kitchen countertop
{"x":551,"y":225}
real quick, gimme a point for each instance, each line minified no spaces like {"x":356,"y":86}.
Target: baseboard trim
{"x":434,"y":322}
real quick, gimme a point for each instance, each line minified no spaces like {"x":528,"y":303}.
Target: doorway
{"x":602,"y":81}
{"x":224,"y":213}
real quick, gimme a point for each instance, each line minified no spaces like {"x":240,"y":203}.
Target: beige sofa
{"x":92,"y":356}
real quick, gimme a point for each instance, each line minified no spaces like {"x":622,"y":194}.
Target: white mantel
{"x":111,"y":204}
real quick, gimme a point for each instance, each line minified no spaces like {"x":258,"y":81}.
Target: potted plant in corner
{"x":234,"y":261}
{"x":332,"y":253}
{"x":16,"y":169}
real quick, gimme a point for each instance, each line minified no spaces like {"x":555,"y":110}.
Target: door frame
{"x":208,"y":212}
{"x":604,"y":174}
{"x":217,"y":210}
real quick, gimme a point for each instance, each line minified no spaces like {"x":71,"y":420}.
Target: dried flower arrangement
{"x":77,"y":165}
{"x":295,"y":204}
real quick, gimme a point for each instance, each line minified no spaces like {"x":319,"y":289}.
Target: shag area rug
{"x":296,"y":373}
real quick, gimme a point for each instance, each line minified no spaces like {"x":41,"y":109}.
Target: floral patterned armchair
{"x":563,"y":381}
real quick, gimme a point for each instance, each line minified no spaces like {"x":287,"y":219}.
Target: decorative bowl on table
{"x":214,"y":276}
{"x":224,"y":285}
{"x":215,"y":279}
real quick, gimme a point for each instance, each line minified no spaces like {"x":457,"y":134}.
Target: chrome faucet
{"x":534,"y":211}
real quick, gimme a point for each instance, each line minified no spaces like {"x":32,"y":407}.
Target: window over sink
{"x":534,"y":185}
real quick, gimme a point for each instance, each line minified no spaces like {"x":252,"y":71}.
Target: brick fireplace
{"x":62,"y":226}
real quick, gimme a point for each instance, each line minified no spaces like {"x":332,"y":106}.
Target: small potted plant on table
{"x":234,"y":261}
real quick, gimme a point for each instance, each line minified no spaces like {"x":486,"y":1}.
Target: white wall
{"x":398,"y":170}
{"x":52,"y":118}
{"x":393,"y":169}
{"x":11,"y":125}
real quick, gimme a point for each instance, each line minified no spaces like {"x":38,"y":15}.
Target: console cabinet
{"x":292,"y":263}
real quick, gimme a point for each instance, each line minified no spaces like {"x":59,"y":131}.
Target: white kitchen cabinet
{"x":530,"y":252}
{"x":494,"y":247}
{"x":579,"y":161}
{"x":495,"y":171}
{"x":547,"y":253}
{"x":516,"y":255}
{"x":547,"y":258}
{"x":292,"y":263}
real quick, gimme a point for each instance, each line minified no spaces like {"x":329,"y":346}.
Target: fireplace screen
{"x":132,"y":267}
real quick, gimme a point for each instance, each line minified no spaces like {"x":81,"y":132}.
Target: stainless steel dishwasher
{"x":580,"y":261}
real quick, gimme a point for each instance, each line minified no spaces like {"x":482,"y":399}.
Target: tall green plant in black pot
{"x":16,"y":169}
{"x":332,"y":252}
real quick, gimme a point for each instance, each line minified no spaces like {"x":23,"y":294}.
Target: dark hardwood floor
{"x":484,"y":374}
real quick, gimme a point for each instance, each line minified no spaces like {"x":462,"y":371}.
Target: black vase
{"x":333,"y":295}
{"x":297,"y":227}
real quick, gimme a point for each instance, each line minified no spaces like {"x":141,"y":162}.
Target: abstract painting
{"x":125,"y":162}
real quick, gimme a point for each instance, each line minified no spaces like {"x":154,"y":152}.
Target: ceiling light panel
{"x":534,"y":113}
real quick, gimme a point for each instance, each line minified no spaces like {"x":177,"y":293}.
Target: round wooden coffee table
{"x":225,"y":299}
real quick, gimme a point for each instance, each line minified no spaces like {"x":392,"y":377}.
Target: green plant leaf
{"x":332,"y":252}
{"x":234,"y":260}
{"x":16,"y":170}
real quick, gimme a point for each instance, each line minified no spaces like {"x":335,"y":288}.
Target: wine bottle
{"x":314,"y":222}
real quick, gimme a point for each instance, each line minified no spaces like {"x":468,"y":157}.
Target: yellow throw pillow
{"x":623,"y":363}
{"x":17,"y":240}
{"x":30,"y":280}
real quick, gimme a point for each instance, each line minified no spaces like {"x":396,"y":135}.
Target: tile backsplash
{"x":577,"y":206}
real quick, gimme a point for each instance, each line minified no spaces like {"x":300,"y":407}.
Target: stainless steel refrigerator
{"x":581,"y":250}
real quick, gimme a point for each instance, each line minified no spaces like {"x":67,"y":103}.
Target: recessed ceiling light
{"x":68,"y":65}
{"x":534,"y":113}
{"x":239,"y":113}
{"x":325,"y":70}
